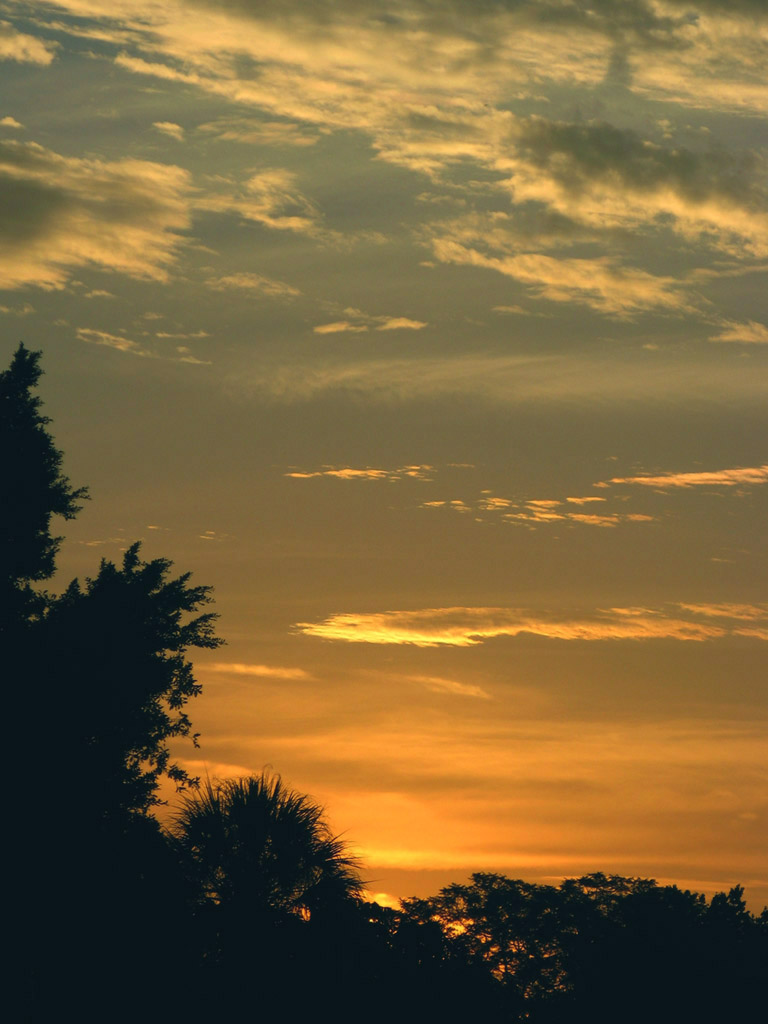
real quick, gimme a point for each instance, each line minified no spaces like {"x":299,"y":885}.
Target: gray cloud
{"x":578,"y":154}
{"x":491,"y":378}
{"x":255,"y":283}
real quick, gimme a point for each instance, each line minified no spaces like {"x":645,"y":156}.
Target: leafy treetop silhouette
{"x":121,"y":642}
{"x":101,"y":668}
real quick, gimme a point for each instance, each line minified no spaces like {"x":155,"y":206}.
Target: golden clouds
{"x":259,"y":671}
{"x":272,"y":198}
{"x":439,"y":92}
{"x":748,"y":612}
{"x":356,"y":321}
{"x":466,"y":627}
{"x":122,"y":343}
{"x":115,"y":341}
{"x":368,"y":473}
{"x":538,"y":511}
{"x":171,"y":129}
{"x":339,"y":327}
{"x":604,"y":284}
{"x":607,"y":178}
{"x":738,"y":477}
{"x":65,"y":212}
{"x":750,"y":333}
{"x":24,"y":48}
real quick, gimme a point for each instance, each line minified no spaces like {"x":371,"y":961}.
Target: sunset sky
{"x":433,"y":334}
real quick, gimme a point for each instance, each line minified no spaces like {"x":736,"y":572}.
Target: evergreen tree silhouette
{"x":33,"y":491}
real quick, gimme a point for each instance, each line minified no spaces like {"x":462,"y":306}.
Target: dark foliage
{"x":256,"y":848}
{"x":33,"y":490}
{"x":116,"y":649}
{"x":601,"y":948}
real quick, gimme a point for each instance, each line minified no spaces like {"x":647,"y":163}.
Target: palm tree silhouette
{"x":254,"y":844}
{"x":274,"y":891}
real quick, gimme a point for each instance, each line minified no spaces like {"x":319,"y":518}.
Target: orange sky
{"x":434,"y":338}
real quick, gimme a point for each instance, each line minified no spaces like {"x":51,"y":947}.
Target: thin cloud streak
{"x":501,"y":378}
{"x":259,"y":671}
{"x":747,"y":612}
{"x":348,"y":473}
{"x":467,"y":627}
{"x":248,"y":282}
{"x":450,"y":686}
{"x":739,"y":477}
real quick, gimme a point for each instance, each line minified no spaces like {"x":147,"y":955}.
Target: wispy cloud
{"x":605,"y":177}
{"x":356,"y":321}
{"x":121,"y":343}
{"x":270,"y":197}
{"x":538,"y":511}
{"x":431,"y":90}
{"x":450,"y":686}
{"x":116,"y":341}
{"x":746,"y":612}
{"x":742,"y":476}
{"x":466,"y":627}
{"x":64,"y":212}
{"x":603,"y":283}
{"x":609,"y":519}
{"x":502,"y":378}
{"x":259,"y":671}
{"x":23,"y":310}
{"x":749,"y":333}
{"x":396,"y":323}
{"x":23,"y":48}
{"x":422,"y":472}
{"x":171,"y":129}
{"x":251,"y":131}
{"x":340,"y":327}
{"x":253,"y":283}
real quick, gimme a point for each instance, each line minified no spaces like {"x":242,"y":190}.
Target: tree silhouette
{"x":118,"y":645}
{"x":98,"y":683}
{"x":259,"y":849}
{"x":604,"y":947}
{"x":34,"y":490}
{"x":276,"y":896}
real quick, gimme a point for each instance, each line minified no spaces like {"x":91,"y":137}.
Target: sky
{"x":433,"y":336}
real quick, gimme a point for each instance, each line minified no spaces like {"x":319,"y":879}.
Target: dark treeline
{"x":247,"y":907}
